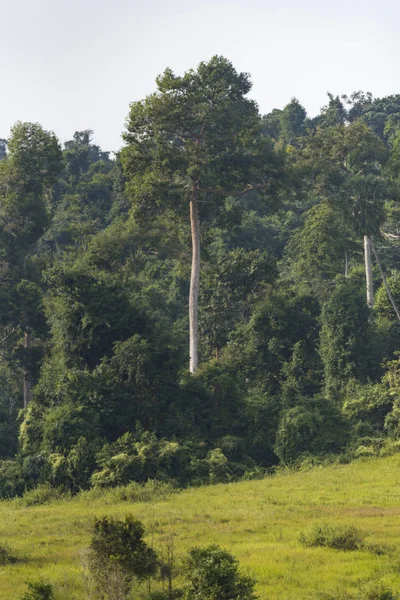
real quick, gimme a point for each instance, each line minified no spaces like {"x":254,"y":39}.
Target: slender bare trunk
{"x":346,"y":266}
{"x":368,"y":271}
{"x":27,"y":381}
{"x":385,"y":283}
{"x":194,"y":281}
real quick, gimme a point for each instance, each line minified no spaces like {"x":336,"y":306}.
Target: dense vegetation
{"x":289,"y":347}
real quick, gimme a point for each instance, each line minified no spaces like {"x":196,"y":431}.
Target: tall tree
{"x":193,"y":142}
{"x":346,"y":168}
{"x":292,"y":120}
{"x":27,"y":175}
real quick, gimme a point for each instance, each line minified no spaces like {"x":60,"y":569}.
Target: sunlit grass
{"x":258,"y":521}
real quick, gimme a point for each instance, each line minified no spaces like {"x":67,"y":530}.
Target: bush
{"x":315,"y":426}
{"x":139,"y":456}
{"x":6,"y":556}
{"x":133,"y":492}
{"x":11,"y":479}
{"x":339,"y":537}
{"x":118,"y":554}
{"x":374,"y":591}
{"x":377,"y":591}
{"x":43,"y":494}
{"x":38,"y":590}
{"x":214,"y":573}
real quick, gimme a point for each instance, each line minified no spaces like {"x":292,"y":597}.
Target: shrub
{"x":374,"y":591}
{"x":139,"y":456}
{"x":377,"y":591}
{"x":315,"y":426}
{"x":38,"y":590}
{"x":118,"y":554}
{"x":6,"y":556}
{"x":133,"y":492}
{"x":214,"y":573}
{"x":42,"y":494}
{"x":11,"y":479}
{"x":339,"y":537}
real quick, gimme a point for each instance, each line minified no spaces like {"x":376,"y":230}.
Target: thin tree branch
{"x":390,"y":236}
{"x":8,"y":335}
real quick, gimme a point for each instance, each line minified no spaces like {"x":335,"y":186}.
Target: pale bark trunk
{"x":346,"y":266}
{"x":368,"y":271}
{"x":27,"y":382}
{"x":194,"y":282}
{"x":385,"y":283}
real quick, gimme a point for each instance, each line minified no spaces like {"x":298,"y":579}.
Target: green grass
{"x":260,"y":522}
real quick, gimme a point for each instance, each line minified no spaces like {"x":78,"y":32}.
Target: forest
{"x":218,"y":299}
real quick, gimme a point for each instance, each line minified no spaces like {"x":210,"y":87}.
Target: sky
{"x":78,"y":64}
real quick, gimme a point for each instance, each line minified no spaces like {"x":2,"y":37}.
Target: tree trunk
{"x":27,"y":381}
{"x":368,"y":271}
{"x":385,"y":283}
{"x":194,"y":281}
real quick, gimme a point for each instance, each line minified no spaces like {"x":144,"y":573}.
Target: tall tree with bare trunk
{"x":191,"y":144}
{"x":345,"y":165}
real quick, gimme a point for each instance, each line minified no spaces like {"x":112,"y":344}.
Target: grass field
{"x":258,"y":521}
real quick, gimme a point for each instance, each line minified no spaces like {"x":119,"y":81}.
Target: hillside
{"x":258,"y":521}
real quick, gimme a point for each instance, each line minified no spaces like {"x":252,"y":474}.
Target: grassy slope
{"x":258,"y":521}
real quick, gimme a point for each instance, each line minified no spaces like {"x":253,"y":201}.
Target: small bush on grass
{"x":6,"y":556}
{"x":373,"y":591}
{"x":42,"y":494}
{"x":339,"y":537}
{"x":38,"y":590}
{"x":377,"y":591}
{"x":11,"y":479}
{"x":118,"y":554}
{"x":213,"y":573}
{"x":133,"y":492}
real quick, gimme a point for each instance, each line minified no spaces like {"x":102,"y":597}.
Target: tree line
{"x":220,"y":297}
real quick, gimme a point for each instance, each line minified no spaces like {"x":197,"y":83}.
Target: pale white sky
{"x":77,"y":64}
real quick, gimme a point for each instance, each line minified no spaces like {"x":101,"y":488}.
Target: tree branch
{"x":390,"y":236}
{"x":8,"y":335}
{"x":236,"y":193}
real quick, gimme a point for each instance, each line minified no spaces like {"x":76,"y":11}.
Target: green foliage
{"x":368,"y":404}
{"x":231,"y":284}
{"x":383,"y":307}
{"x":6,"y":555}
{"x":372,"y":591}
{"x":317,"y":252}
{"x":212,"y":572}
{"x":42,"y":494}
{"x":31,"y":167}
{"x":378,"y":591}
{"x":198,"y":127}
{"x":333,"y":536}
{"x":94,"y":278}
{"x":345,"y":343}
{"x":292,"y":122}
{"x":314,"y":426}
{"x":118,"y":554}
{"x":139,"y":457}
{"x":38,"y":590}
{"x":150,"y":491}
{"x":12,"y":481}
